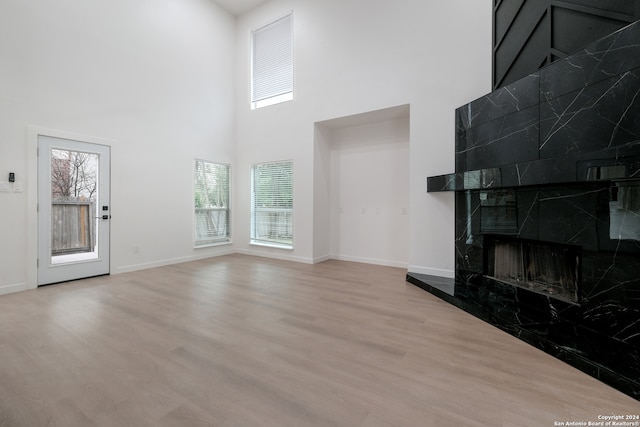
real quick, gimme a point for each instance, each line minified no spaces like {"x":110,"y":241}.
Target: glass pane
{"x":211,"y":202}
{"x":74,"y":195}
{"x":272,"y":204}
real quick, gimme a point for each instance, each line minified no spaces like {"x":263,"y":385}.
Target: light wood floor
{"x":244,"y":341}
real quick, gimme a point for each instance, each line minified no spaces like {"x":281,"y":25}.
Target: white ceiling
{"x":238,"y":7}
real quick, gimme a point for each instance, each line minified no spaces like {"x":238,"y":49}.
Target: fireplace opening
{"x":546,"y":268}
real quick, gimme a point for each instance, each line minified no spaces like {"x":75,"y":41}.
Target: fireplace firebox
{"x":545,"y":268}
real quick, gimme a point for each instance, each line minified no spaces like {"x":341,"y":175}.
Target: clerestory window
{"x":272,"y":63}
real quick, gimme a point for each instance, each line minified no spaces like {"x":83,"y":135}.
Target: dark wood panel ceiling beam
{"x":594,"y":11}
{"x":497,"y":43}
{"x":592,"y":18}
{"x":550,"y":34}
{"x":521,"y":46}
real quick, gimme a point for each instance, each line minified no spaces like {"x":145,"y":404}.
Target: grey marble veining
{"x":608,"y":57}
{"x":603,"y":115}
{"x":502,"y":141}
{"x":510,"y":99}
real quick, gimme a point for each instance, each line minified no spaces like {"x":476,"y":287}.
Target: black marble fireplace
{"x":547,"y":190}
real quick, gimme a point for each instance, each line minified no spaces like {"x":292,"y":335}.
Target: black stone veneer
{"x":555,"y":157}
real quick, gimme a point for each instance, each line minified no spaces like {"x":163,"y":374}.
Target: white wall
{"x":167,"y":81}
{"x":322,"y":225}
{"x":154,"y":77}
{"x":357,"y":56}
{"x":370,"y":193}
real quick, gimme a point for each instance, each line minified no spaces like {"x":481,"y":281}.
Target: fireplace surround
{"x":547,"y":173}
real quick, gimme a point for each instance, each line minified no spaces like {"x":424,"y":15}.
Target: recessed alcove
{"x":362,"y":187}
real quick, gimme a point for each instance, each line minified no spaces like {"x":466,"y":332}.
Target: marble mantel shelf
{"x":539,"y":172}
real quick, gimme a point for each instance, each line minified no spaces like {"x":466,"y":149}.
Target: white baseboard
{"x":449,"y":274}
{"x":274,"y":255}
{"x":321,"y":259}
{"x":14,"y":287}
{"x":384,"y":262}
{"x":162,"y":263}
{"x":18,"y":287}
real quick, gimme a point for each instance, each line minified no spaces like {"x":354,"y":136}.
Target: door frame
{"x":33,"y":133}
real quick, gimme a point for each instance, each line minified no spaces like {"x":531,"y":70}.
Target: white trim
{"x":276,"y":98}
{"x":31,"y":189}
{"x":275,"y":255}
{"x":284,"y":246}
{"x":321,"y":259}
{"x":267,"y":102}
{"x":449,"y":274}
{"x":271,"y":21}
{"x":374,"y":261}
{"x":252,"y":229}
{"x":213,"y":245}
{"x":229,"y":237}
{"x":170,"y":261}
{"x":15,"y":287}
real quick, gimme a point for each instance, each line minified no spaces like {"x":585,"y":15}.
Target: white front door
{"x":73,"y":209}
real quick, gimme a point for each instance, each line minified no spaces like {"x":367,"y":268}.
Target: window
{"x":211,"y":195}
{"x":272,"y":204}
{"x":272,"y":63}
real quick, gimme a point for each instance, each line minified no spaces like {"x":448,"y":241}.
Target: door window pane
{"x":74,"y":189}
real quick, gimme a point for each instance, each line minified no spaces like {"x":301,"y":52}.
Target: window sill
{"x":274,"y":100}
{"x":213,"y":244}
{"x":271,"y":245}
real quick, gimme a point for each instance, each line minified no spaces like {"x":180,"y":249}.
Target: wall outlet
{"x":4,"y":187}
{"x":136,"y":249}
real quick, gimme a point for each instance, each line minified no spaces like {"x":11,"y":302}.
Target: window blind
{"x":211,"y":196}
{"x":272,"y":203}
{"x":272,"y":60}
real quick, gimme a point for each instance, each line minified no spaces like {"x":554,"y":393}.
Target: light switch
{"x":17,"y":187}
{"x":4,"y":187}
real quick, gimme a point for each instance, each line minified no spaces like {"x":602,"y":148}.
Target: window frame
{"x":277,"y":97}
{"x":212,"y":241}
{"x":255,"y":238}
